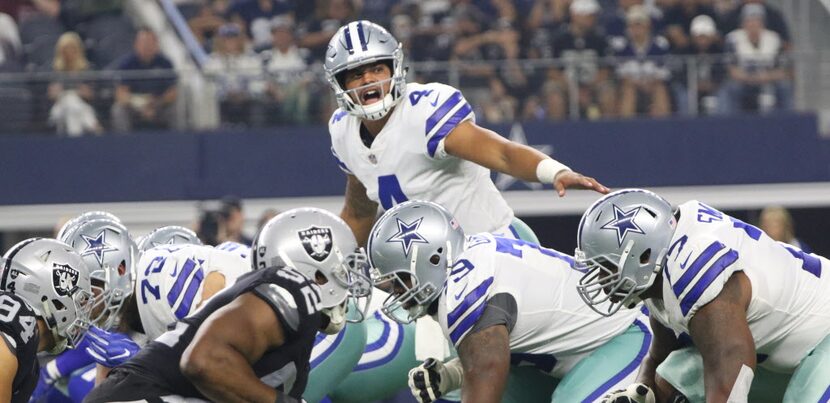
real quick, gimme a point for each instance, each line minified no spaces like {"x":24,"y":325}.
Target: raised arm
{"x":485,"y":358}
{"x":218,"y":360}
{"x":359,"y":211}
{"x":486,"y":148}
{"x":721,"y":334}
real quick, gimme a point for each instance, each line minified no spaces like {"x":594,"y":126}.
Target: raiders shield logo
{"x":317,"y":242}
{"x":64,"y":279}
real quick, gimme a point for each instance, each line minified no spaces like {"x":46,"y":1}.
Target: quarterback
{"x":398,"y":141}
{"x":505,"y":304}
{"x":750,"y":305}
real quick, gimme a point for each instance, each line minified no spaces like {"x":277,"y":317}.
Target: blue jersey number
{"x":809,"y":263}
{"x":154,"y":267}
{"x":389,"y":191}
{"x":415,"y":96}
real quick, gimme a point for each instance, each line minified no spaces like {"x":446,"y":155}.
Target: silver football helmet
{"x":320,"y":245}
{"x":169,"y":235}
{"x":411,"y":248}
{"x":53,"y":279}
{"x":356,"y":44}
{"x":110,"y":254}
{"x":621,"y":245}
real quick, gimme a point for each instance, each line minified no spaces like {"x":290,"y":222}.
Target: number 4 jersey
{"x":407,"y":159}
{"x":18,"y":330}
{"x":788,"y":313}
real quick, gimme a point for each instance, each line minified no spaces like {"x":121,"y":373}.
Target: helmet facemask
{"x":69,"y":336}
{"x":349,"y":100}
{"x":110,"y":289}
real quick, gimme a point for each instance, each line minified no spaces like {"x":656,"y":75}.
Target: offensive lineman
{"x":750,"y":305}
{"x":45,"y":304}
{"x":252,"y":341}
{"x":503,"y":303}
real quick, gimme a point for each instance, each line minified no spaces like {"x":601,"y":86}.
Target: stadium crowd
{"x":514,"y":59}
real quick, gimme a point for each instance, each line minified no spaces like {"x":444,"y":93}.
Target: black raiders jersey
{"x":294,"y":298}
{"x":18,"y":330}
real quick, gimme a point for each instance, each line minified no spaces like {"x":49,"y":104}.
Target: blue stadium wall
{"x":290,"y":162}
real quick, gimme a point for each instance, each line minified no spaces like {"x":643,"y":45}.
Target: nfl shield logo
{"x":64,"y":279}
{"x":317,"y":242}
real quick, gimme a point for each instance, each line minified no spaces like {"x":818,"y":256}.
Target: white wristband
{"x":548,"y":168}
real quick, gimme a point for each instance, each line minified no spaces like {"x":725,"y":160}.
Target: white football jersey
{"x":788,"y":314}
{"x":407,"y":159}
{"x":169,"y":281}
{"x":554,"y":327}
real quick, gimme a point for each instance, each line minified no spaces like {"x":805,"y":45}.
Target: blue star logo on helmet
{"x":407,"y":234}
{"x":97,"y":246}
{"x":623,"y":223}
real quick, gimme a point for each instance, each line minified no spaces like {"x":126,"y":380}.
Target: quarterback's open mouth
{"x":370,"y":96}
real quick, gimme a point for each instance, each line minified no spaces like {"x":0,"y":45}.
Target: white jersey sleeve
{"x":465,"y":297}
{"x":444,"y":109}
{"x":698,"y":276}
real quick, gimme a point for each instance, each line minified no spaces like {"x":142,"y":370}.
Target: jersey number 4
{"x":389,"y":191}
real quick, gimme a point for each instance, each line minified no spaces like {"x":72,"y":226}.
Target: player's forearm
{"x":483,"y":386}
{"x":225,"y":376}
{"x":361,"y":226}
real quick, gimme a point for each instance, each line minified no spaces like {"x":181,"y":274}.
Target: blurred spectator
{"x":237,"y":73}
{"x":379,"y":11}
{"x":547,"y":14}
{"x":12,"y":7}
{"x":709,"y":67}
{"x":330,"y":16}
{"x":211,"y":228}
{"x":71,"y":112}
{"x":759,"y":72}
{"x":615,"y":23}
{"x":475,"y":45}
{"x":205,"y":24}
{"x":75,"y":13}
{"x":773,"y":20}
{"x":10,"y":47}
{"x":500,"y":107}
{"x":147,"y":98}
{"x":234,"y":220}
{"x":642,"y":69}
{"x":678,"y":22}
{"x":266,"y":216}
{"x":777,"y":222}
{"x":580,"y":46}
{"x":289,"y":78}
{"x":256,"y":17}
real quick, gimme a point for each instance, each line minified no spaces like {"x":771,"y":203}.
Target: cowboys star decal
{"x":407,"y":234}
{"x":623,"y":223}
{"x":97,"y":246}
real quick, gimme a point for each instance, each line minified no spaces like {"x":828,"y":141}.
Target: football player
{"x":45,"y":305}
{"x":397,"y":141}
{"x":750,"y":305}
{"x":252,"y":341}
{"x":501,"y":302}
{"x":168,"y":235}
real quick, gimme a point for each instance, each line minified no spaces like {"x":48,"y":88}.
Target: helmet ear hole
{"x":320,"y":278}
{"x":645,"y":256}
{"x":435,"y":259}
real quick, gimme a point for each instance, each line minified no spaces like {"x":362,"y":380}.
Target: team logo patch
{"x":317,"y":242}
{"x":64,"y":279}
{"x":623,"y":223}
{"x":97,"y":246}
{"x":407,"y":234}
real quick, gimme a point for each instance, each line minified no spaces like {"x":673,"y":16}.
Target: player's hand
{"x":575,"y":180}
{"x":425,"y":380}
{"x":634,"y":393}
{"x":110,"y":349}
{"x":44,"y":385}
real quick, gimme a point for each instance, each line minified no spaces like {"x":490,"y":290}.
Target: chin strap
{"x":337,"y":319}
